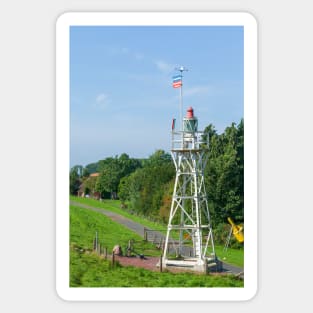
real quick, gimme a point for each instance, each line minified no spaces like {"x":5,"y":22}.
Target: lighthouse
{"x":189,"y":239}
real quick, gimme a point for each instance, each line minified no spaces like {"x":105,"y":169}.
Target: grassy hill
{"x":231,"y":256}
{"x":89,"y":270}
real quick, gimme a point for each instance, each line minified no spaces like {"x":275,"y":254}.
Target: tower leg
{"x":189,"y":209}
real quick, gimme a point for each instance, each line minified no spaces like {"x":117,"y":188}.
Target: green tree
{"x":224,"y":174}
{"x":92,"y":168}
{"x":144,"y":188}
{"x":74,"y":180}
{"x":112,"y":170}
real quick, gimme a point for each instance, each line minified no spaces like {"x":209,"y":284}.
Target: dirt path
{"x":148,"y":263}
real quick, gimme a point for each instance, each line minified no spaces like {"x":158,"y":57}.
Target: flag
{"x":173,"y":123}
{"x":177,"y":81}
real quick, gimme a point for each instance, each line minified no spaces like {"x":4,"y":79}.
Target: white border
{"x":62,"y":154}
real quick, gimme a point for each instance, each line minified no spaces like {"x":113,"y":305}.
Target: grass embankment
{"x":90,"y":270}
{"x":231,"y":256}
{"x":115,"y":206}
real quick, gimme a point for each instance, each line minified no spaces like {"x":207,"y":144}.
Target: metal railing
{"x":184,"y":140}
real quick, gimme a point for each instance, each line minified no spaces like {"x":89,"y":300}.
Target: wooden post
{"x":94,"y":244}
{"x":113,"y":258}
{"x":161,"y":265}
{"x":145,"y":234}
{"x":128,"y":249}
{"x":96,"y":240}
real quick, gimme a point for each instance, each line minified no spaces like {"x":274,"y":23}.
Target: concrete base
{"x":191,"y":264}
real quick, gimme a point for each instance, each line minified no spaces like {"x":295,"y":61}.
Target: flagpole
{"x":178,"y":83}
{"x":181,"y":69}
{"x":181,"y":102}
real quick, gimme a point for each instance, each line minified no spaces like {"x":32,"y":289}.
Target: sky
{"x":121,"y":94}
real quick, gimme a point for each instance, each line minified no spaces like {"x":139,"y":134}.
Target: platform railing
{"x":184,"y":140}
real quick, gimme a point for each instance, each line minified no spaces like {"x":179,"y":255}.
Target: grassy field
{"x":231,"y":256}
{"x":115,"y":206}
{"x":90,"y":270}
{"x":85,"y":223}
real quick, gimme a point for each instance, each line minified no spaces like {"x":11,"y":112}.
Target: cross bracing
{"x":189,"y":219}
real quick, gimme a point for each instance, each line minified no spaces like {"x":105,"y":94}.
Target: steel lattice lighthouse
{"x":189,"y":239}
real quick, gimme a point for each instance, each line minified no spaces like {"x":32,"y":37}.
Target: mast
{"x":181,"y":69}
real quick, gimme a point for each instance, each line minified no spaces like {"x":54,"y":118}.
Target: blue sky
{"x":121,"y":97}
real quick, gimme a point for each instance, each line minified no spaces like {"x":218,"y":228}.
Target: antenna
{"x":181,"y":69}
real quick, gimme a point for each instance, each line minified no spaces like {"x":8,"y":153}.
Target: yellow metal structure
{"x":237,"y":230}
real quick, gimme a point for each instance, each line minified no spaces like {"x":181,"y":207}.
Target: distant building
{"x":87,"y":187}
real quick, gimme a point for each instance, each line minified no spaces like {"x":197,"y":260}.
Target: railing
{"x":184,"y":140}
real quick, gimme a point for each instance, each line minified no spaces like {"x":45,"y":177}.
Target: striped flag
{"x":173,"y":123}
{"x":177,"y":81}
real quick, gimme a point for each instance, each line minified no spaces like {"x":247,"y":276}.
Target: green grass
{"x":85,"y":223}
{"x":115,"y":206}
{"x":232,"y":256}
{"x":89,"y":270}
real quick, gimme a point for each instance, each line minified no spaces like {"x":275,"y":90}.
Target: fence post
{"x":113,"y":259}
{"x":161,"y":265}
{"x":129,"y":248}
{"x":145,"y":234}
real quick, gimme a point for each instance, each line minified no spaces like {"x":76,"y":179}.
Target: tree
{"x":92,"y":168}
{"x":74,"y":180}
{"x":159,"y":157}
{"x":224,"y":174}
{"x":144,"y":188}
{"x":112,"y":170}
{"x":86,"y":172}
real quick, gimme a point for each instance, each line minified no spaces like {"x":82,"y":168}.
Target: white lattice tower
{"x":189,"y":239}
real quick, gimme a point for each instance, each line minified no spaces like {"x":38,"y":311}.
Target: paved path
{"x":139,"y":229}
{"x":136,"y":227}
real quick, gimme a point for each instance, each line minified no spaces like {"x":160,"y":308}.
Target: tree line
{"x":145,"y":186}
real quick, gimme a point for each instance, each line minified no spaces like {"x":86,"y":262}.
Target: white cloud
{"x":164,"y":66}
{"x":102,"y":101}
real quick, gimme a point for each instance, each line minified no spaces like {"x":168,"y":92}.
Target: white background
{"x":27,"y":130}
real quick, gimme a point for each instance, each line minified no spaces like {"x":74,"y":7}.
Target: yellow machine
{"x":236,"y":230}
